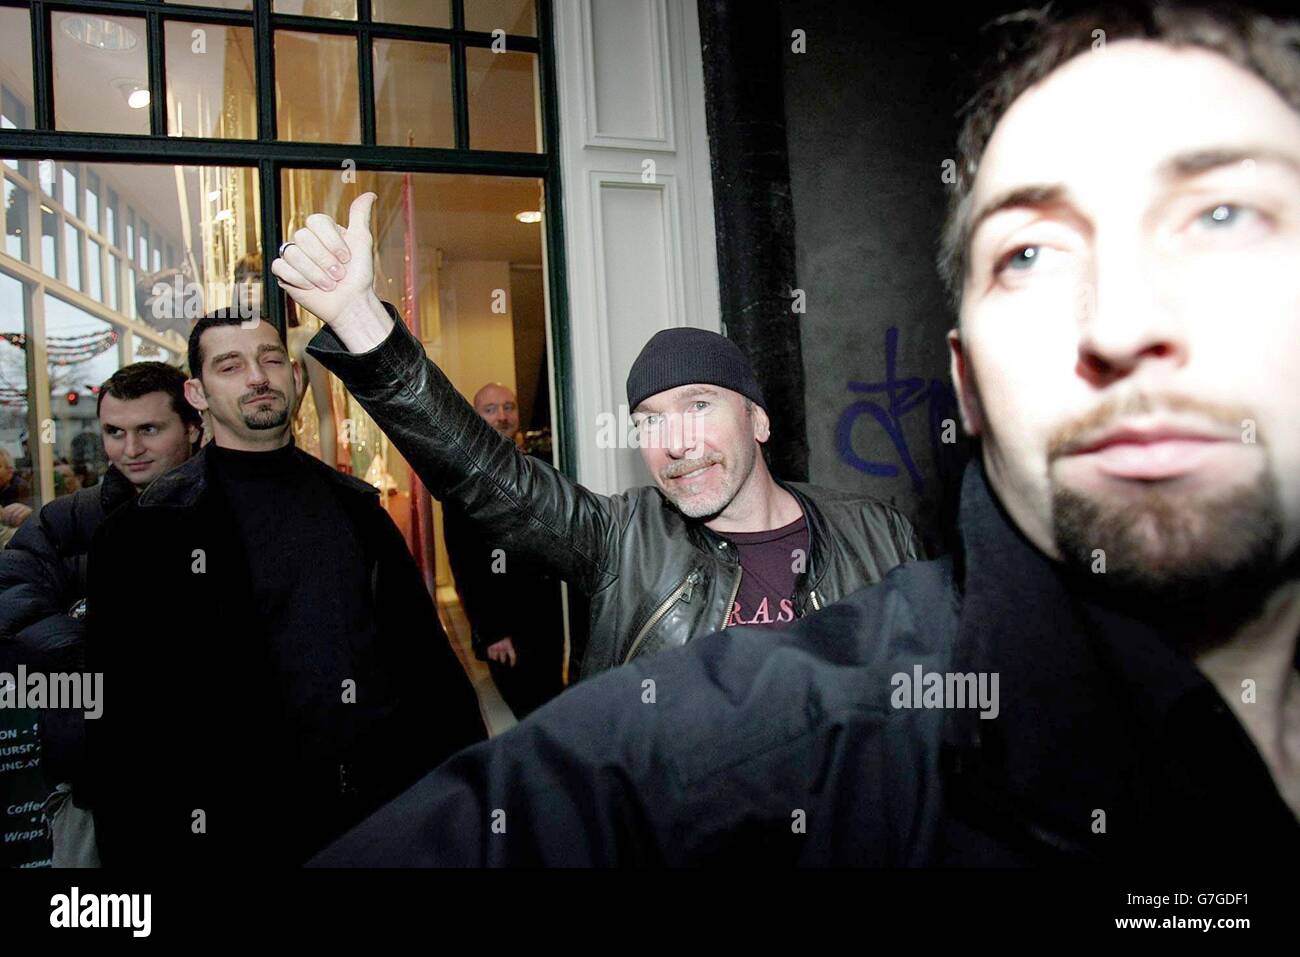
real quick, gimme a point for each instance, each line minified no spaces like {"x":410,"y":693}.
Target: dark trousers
{"x":536,"y":676}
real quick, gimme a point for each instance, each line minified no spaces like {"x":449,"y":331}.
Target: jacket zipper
{"x":726,"y":614}
{"x":812,"y":595}
{"x":682,"y":592}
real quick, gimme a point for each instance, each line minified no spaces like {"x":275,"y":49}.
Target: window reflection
{"x":503,"y":101}
{"x":420,"y":13}
{"x":211,"y":89}
{"x":316,"y":87}
{"x":132,"y":255}
{"x":111,"y":48}
{"x":514,"y":16}
{"x":413,"y":94}
{"x":332,"y":9}
{"x":16,"y":55}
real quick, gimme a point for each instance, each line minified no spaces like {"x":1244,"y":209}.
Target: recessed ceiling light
{"x":529,"y":216}
{"x":100,"y":33}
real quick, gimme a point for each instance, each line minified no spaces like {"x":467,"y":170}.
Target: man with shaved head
{"x":513,"y":605}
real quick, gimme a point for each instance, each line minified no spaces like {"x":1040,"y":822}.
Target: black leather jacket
{"x":655,"y":578}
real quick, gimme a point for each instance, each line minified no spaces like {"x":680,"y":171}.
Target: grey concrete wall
{"x":870,"y":119}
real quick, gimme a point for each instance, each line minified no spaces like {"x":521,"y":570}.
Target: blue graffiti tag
{"x":902,"y":397}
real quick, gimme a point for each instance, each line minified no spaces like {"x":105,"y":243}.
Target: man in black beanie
{"x":718,"y":542}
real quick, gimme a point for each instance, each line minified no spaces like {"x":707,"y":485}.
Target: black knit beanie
{"x":685,"y":355}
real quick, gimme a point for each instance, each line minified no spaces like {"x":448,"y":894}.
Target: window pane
{"x":503,"y":104}
{"x":114,"y":300}
{"x":16,"y":55}
{"x":206,"y":217}
{"x":512,"y":16}
{"x":45,"y":171}
{"x":210,"y":81}
{"x":81,"y":352}
{"x":13,"y":385}
{"x":420,"y":13}
{"x":316,"y":88}
{"x":223,"y":4}
{"x":49,"y":241}
{"x":17,"y":232}
{"x":413,"y":94}
{"x":90,"y":203}
{"x":110,"y":218}
{"x":465,"y":248}
{"x":70,"y":192}
{"x":333,"y":9}
{"x":95,"y":286}
{"x":72,"y":237}
{"x":112,"y":51}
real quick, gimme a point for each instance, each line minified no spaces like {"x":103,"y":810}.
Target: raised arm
{"x":533,"y":511}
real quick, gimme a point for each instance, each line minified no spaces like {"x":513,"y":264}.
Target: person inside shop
{"x":291,"y":673}
{"x":513,"y":607}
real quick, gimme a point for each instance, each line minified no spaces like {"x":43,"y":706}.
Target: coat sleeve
{"x":695,"y":755}
{"x":36,"y":594}
{"x":419,"y":652}
{"x":534,"y":511}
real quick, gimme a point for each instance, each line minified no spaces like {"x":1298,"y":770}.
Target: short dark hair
{"x":220,"y":317}
{"x":143,"y":378}
{"x":1032,"y":44}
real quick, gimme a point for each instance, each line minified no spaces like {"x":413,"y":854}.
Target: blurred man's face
{"x":1131,"y":318}
{"x":6,"y":473}
{"x":700,"y":443}
{"x":144,"y":437}
{"x":247,"y":385}
{"x":496,"y":404}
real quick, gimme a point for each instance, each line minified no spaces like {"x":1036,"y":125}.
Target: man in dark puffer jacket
{"x":148,"y":429}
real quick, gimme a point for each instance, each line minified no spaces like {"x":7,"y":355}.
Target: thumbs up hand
{"x":329,"y":271}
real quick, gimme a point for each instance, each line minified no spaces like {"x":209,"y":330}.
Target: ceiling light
{"x":136,"y":96}
{"x":529,"y":216}
{"x":100,"y":33}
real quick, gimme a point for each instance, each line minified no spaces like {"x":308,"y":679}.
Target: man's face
{"x":144,"y":437}
{"x":6,"y":473}
{"x":246,"y":386}
{"x":496,"y":404}
{"x":700,"y":443}
{"x":1131,"y":317}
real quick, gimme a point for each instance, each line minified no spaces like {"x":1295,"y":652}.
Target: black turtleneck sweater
{"x":311,"y":592}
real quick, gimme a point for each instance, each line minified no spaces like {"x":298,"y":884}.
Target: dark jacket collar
{"x":185,"y":485}
{"x":114,"y":489}
{"x":1090,"y":698}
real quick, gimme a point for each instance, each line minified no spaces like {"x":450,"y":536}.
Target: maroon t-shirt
{"x":770,"y":562}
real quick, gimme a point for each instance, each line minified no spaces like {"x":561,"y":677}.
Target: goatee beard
{"x":1199,"y":564}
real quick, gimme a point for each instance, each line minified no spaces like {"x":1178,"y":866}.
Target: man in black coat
{"x":513,"y":606}
{"x":287,"y":672}
{"x":1106,"y":671}
{"x":147,"y":429}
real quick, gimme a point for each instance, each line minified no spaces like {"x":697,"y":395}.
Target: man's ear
{"x":299,"y":384}
{"x":963,"y":380}
{"x":762,"y":426}
{"x":195,"y":395}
